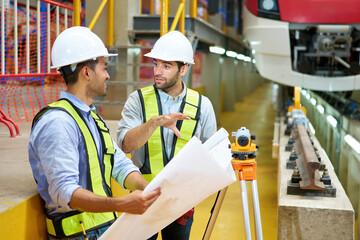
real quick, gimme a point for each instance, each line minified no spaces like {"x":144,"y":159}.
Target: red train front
{"x":311,"y":43}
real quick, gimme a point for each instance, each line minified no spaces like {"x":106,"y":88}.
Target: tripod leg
{"x":245,"y":206}
{"x":256,"y":204}
{"x":214,"y":213}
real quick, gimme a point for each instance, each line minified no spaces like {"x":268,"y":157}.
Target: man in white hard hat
{"x":71,"y":152}
{"x":157,"y":121}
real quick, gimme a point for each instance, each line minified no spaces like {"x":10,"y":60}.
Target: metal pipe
{"x":27,"y":36}
{"x":65,"y":18}
{"x":164,"y":17}
{"x":342,"y":62}
{"x":3,"y":37}
{"x":38,"y":42}
{"x":256,"y":204}
{"x":48,"y":37}
{"x":16,"y":37}
{"x":110,"y":37}
{"x":245,"y":207}
{"x":97,"y":14}
{"x":76,"y":12}
{"x":193,"y":9}
{"x":57,"y":21}
{"x":177,"y":16}
{"x":182,"y":18}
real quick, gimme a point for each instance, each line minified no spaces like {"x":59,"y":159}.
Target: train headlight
{"x":268,"y":4}
{"x":268,"y":9}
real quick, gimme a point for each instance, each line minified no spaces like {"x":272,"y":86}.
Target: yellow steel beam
{"x":77,"y":11}
{"x":152,"y":7}
{"x":97,"y":14}
{"x":164,"y":17}
{"x":182,"y":18}
{"x":177,"y":16}
{"x":110,"y":32}
{"x":193,"y":9}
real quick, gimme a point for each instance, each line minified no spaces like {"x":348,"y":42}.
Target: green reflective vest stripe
{"x":109,"y":148}
{"x":188,"y":127}
{"x":68,"y":224}
{"x":154,"y":149}
{"x":155,"y":153}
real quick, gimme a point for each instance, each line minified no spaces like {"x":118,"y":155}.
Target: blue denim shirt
{"x":132,"y":117}
{"x":58,"y":156}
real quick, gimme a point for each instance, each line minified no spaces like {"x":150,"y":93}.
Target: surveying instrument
{"x":243,"y":154}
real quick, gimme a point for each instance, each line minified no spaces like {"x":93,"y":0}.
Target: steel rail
{"x":307,"y":162}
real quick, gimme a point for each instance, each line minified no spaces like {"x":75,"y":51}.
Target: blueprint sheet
{"x":196,"y":172}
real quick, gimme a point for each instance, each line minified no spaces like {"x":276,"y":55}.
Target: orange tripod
{"x":243,"y":153}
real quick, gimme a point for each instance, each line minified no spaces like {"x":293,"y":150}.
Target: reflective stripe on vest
{"x":68,"y":224}
{"x":155,"y":153}
{"x":188,"y":127}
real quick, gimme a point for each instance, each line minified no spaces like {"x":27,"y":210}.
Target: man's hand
{"x":136,"y":202}
{"x":137,"y":137}
{"x":169,"y":120}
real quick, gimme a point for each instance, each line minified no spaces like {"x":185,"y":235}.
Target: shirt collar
{"x":178,"y":98}
{"x":77,"y":102}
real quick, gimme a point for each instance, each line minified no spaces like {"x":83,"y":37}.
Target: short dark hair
{"x":180,"y":64}
{"x":72,"y":78}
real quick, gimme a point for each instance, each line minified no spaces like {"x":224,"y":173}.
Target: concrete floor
{"x":255,"y":113}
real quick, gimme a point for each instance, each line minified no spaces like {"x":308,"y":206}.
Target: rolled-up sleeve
{"x":131,"y":117}
{"x":57,"y":148}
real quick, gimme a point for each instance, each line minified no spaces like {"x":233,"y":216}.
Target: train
{"x":309,"y":43}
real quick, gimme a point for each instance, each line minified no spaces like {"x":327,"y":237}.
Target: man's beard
{"x":169,"y":84}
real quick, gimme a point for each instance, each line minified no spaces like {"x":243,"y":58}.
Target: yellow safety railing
{"x":110,"y":20}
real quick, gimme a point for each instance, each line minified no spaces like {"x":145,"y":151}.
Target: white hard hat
{"x":75,"y":45}
{"x":173,"y":46}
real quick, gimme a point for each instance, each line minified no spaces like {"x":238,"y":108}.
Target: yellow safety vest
{"x":68,"y":224}
{"x":155,"y":153}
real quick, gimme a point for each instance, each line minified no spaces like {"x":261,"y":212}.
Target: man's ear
{"x":85,"y":73}
{"x":184,"y":69}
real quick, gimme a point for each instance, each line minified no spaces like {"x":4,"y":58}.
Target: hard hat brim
{"x":107,"y":55}
{"x":150,"y":55}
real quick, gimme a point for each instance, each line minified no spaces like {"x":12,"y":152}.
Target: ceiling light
{"x":352,"y":143}
{"x":240,"y":57}
{"x":231,"y":54}
{"x":332,"y":120}
{"x":217,"y":50}
{"x":321,"y":109}
{"x":313,"y":101}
